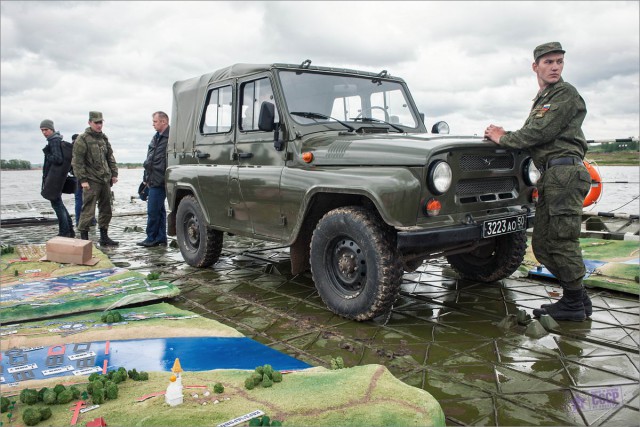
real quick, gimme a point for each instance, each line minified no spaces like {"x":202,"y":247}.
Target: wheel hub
{"x":346,"y":264}
{"x":192,"y":231}
{"x":349,"y":264}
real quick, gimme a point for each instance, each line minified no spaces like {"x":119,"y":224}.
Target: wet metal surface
{"x":443,"y":334}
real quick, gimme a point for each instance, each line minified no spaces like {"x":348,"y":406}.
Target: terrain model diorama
{"x":610,"y":264}
{"x":32,"y":289}
{"x":157,"y":365}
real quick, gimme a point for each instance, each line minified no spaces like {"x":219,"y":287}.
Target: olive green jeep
{"x":337,"y":165}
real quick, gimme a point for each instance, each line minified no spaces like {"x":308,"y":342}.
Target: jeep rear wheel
{"x":495,"y":261}
{"x":355,"y":264}
{"x":200,"y":246}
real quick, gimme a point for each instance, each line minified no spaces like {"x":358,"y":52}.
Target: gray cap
{"x":543,"y":49}
{"x":47,"y":124}
{"x":95,"y":116}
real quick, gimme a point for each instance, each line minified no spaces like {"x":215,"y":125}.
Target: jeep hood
{"x":401,"y":149}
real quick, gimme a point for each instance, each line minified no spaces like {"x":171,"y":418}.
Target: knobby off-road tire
{"x":355,"y":263}
{"x":200,"y":245}
{"x":494,"y":261}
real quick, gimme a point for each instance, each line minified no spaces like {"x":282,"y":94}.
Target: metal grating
{"x":441,"y":331}
{"x":490,"y":162}
{"x":468,"y":187}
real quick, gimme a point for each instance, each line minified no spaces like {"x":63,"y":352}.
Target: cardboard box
{"x":70,"y":251}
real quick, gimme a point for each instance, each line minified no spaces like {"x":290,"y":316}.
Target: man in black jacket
{"x":54,"y":173}
{"x":154,"y":168}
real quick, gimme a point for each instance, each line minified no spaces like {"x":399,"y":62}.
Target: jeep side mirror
{"x":266,"y":123}
{"x":441,"y":128}
{"x":266,"y":120}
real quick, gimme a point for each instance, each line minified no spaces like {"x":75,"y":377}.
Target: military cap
{"x":47,"y":124}
{"x":95,"y":116}
{"x":543,"y":49}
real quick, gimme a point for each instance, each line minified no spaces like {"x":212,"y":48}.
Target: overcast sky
{"x":468,"y":63}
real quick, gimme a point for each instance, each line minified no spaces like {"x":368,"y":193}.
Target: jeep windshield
{"x":340,"y":98}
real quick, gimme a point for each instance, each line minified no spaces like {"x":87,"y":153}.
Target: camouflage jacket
{"x":93,"y":158}
{"x":554,"y":126}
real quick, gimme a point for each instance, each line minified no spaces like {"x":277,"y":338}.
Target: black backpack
{"x":71,"y":181}
{"x":67,"y":154}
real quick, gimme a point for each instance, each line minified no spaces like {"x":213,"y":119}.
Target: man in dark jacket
{"x":96,"y":170}
{"x":154,"y":168}
{"x":54,"y":173}
{"x":553,"y":135}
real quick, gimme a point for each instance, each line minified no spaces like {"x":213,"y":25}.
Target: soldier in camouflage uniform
{"x":96,"y":170}
{"x":553,"y":135}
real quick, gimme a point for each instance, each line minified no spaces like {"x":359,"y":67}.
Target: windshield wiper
{"x":317,"y":116}
{"x":372,"y":120}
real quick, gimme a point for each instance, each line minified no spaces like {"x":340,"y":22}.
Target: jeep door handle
{"x":245,"y":155}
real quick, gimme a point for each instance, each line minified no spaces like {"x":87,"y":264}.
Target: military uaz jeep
{"x":338,"y":165}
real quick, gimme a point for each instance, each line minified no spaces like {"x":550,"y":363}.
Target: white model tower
{"x":173,"y":395}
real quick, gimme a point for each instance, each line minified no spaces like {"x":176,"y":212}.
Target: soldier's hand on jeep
{"x":494,"y":133}
{"x":114,"y":179}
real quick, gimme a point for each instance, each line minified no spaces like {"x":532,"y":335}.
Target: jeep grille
{"x":486,"y":190}
{"x":481,"y":163}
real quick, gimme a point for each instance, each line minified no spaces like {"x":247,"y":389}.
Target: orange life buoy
{"x":596,"y":186}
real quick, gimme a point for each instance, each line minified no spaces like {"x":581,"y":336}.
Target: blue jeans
{"x":156,"y":215}
{"x":64,"y":220}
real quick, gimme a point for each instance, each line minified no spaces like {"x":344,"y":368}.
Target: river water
{"x":20,"y":193}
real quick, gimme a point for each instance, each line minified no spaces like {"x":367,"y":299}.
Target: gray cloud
{"x":468,"y":63}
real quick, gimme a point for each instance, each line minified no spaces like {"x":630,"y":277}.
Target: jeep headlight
{"x":531,"y":173}
{"x":440,"y":177}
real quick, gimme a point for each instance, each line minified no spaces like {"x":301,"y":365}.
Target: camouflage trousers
{"x":100,"y":193}
{"x":556,"y":231}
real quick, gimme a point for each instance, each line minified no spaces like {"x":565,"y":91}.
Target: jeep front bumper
{"x":442,"y":238}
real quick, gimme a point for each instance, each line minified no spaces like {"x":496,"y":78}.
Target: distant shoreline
{"x":616,"y":158}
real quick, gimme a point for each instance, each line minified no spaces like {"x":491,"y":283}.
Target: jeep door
{"x":259,"y":165}
{"x":214,"y":151}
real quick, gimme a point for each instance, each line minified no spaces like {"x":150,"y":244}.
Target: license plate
{"x":501,"y":226}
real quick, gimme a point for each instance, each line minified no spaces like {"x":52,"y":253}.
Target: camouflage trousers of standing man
{"x":556,"y":232}
{"x":100,"y":193}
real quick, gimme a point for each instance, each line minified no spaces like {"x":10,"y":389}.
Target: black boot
{"x":569,"y":307}
{"x":72,"y":232}
{"x":105,"y":240}
{"x":586,"y":301}
{"x":84,"y":235}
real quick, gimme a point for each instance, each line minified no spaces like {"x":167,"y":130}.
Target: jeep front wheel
{"x":355,"y":264}
{"x":494,"y":261}
{"x":200,"y":246}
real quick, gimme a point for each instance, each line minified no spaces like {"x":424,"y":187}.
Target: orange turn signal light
{"x":534,"y":195}
{"x":433,"y":207}
{"x":307,"y":157}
